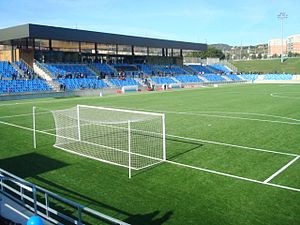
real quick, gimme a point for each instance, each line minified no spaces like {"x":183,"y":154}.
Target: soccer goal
{"x":131,"y":139}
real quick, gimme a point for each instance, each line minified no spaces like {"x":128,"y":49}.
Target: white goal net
{"x":131,"y":139}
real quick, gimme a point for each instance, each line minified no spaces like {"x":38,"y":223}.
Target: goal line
{"x":180,"y":164}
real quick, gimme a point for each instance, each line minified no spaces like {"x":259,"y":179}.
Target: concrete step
{"x":41,"y":71}
{"x":203,"y":78}
{"x":15,"y":212}
{"x":226,"y":78}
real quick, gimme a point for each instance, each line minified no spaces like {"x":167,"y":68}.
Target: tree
{"x":259,"y":56}
{"x":211,"y":52}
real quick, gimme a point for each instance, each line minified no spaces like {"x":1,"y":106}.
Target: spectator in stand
{"x":14,"y":76}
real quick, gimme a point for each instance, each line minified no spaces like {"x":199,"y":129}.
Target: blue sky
{"x":225,"y":21}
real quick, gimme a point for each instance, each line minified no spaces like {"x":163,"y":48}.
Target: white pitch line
{"x":251,"y":113}
{"x":223,"y":116}
{"x":202,"y":114}
{"x":277,"y":95}
{"x":281,"y":170}
{"x":21,"y":115}
{"x":233,"y":176}
{"x":194,"y":139}
{"x":232,"y":145}
{"x":188,"y":166}
{"x":234,"y":117}
{"x":50,"y":99}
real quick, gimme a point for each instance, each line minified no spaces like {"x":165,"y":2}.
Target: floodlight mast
{"x":282,"y":16}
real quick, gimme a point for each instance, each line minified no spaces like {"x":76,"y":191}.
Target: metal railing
{"x":48,"y":204}
{"x":229,"y":65}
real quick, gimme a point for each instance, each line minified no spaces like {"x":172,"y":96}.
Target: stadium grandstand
{"x":45,"y":61}
{"x":38,"y":59}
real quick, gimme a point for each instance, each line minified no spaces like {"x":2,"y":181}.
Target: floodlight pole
{"x":282,"y":16}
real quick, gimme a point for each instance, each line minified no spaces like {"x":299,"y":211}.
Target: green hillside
{"x":269,"y":66}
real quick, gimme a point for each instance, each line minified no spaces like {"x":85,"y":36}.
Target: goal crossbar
{"x":126,"y":138}
{"x":122,"y":110}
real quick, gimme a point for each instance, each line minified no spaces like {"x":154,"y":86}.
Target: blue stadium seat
{"x":126,"y":82}
{"x":278,"y":77}
{"x":163,"y":80}
{"x":74,"y":69}
{"x":169,"y":69}
{"x":220,"y":68}
{"x":26,"y":69}
{"x":7,"y":70}
{"x":79,"y":83}
{"x":233,"y":77}
{"x":201,"y":69}
{"x":249,"y":76}
{"x":21,"y":86}
{"x":103,"y":68}
{"x":214,"y":77}
{"x":188,"y":79}
{"x":146,"y":69}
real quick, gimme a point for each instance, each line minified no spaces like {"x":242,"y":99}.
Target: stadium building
{"x":55,"y":44}
{"x":290,"y":44}
{"x":51,"y":60}
{"x":293,"y":43}
{"x":275,"y":46}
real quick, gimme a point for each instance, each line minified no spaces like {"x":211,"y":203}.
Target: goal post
{"x":34,"y":126}
{"x":127,"y":138}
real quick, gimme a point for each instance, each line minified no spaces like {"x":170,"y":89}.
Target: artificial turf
{"x":243,"y":115}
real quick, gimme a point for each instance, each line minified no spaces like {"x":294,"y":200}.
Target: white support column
{"x":78,"y":123}
{"x":164,"y":137}
{"x":33,"y":126}
{"x":129,"y":150}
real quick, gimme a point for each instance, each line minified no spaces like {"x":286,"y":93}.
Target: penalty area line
{"x":189,"y":166}
{"x":233,"y":176}
{"x":232,"y":145}
{"x":281,"y":169}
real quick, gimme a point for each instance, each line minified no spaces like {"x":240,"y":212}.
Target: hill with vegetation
{"x":291,"y":65}
{"x":223,"y":47}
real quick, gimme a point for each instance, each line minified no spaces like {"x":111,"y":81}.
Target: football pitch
{"x":233,"y":157}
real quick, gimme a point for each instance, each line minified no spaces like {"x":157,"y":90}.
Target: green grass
{"x":291,"y":65}
{"x":245,"y":115}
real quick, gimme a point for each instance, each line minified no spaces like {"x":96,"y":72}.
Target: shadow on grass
{"x":152,"y":218}
{"x":30,"y":165}
{"x":77,"y":196}
{"x":184,"y":145}
{"x":149,"y":218}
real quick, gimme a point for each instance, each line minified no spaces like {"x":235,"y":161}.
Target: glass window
{"x":124,"y":50}
{"x":65,"y":46}
{"x":155,"y":51}
{"x":140,"y":50}
{"x":87,"y":47}
{"x":41,"y":44}
{"x":106,"y":49}
{"x":176,"y":52}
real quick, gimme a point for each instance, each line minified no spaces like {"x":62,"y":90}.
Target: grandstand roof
{"x":66,"y":34}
